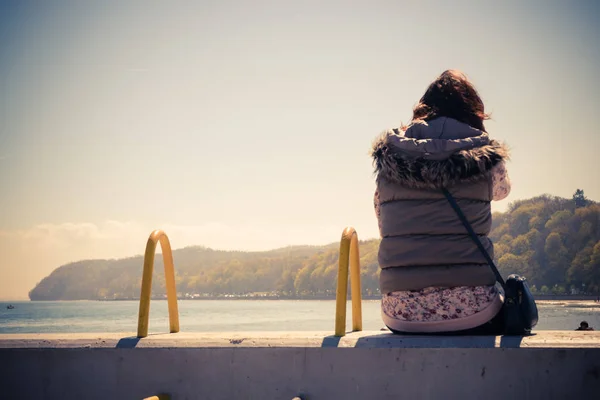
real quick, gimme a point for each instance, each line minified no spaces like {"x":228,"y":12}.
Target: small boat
{"x":10,"y":306}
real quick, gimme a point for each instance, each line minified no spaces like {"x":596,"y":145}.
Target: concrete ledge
{"x":282,"y":365}
{"x":365,"y":339}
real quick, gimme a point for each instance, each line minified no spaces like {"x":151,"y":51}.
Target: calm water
{"x":233,"y":315}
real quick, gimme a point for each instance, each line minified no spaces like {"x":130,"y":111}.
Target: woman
{"x":433,"y":277}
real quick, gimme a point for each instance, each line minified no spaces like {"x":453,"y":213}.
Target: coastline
{"x":538,"y":297}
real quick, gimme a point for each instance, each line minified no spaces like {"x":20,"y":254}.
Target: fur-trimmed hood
{"x":435,"y":154}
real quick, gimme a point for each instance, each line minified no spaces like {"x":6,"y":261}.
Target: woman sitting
{"x":433,"y":277}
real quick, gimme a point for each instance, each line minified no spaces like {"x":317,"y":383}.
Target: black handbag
{"x":520,"y":310}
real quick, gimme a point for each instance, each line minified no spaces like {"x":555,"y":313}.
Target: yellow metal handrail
{"x":349,"y":259}
{"x":144,"y":313}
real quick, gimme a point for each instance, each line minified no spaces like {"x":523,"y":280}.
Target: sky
{"x":247,"y":124}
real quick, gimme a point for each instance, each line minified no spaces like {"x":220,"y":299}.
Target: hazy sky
{"x":247,"y":124}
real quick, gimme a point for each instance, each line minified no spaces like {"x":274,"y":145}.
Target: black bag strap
{"x":474,"y":236}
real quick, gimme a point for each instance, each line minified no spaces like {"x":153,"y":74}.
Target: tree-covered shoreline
{"x":554,"y":242}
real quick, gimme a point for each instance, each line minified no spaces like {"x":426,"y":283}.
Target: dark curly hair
{"x":451,"y":95}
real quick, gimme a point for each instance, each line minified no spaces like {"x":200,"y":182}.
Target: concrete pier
{"x":310,"y":365}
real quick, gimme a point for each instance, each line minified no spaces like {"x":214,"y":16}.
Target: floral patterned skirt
{"x":438,"y":304}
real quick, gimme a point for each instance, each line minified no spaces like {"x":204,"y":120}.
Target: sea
{"x":233,"y":315}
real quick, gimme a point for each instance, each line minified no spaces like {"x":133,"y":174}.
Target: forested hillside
{"x":554,"y":242}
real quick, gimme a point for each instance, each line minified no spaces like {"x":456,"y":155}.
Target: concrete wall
{"x":367,"y":365}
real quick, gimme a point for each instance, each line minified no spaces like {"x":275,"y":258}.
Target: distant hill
{"x":554,"y":242}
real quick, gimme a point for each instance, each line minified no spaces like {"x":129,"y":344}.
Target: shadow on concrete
{"x":131,"y":342}
{"x":128,"y":342}
{"x":330,"y":341}
{"x":513,"y":342}
{"x":391,"y":340}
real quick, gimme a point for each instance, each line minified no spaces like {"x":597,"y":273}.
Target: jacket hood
{"x":436,"y":154}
